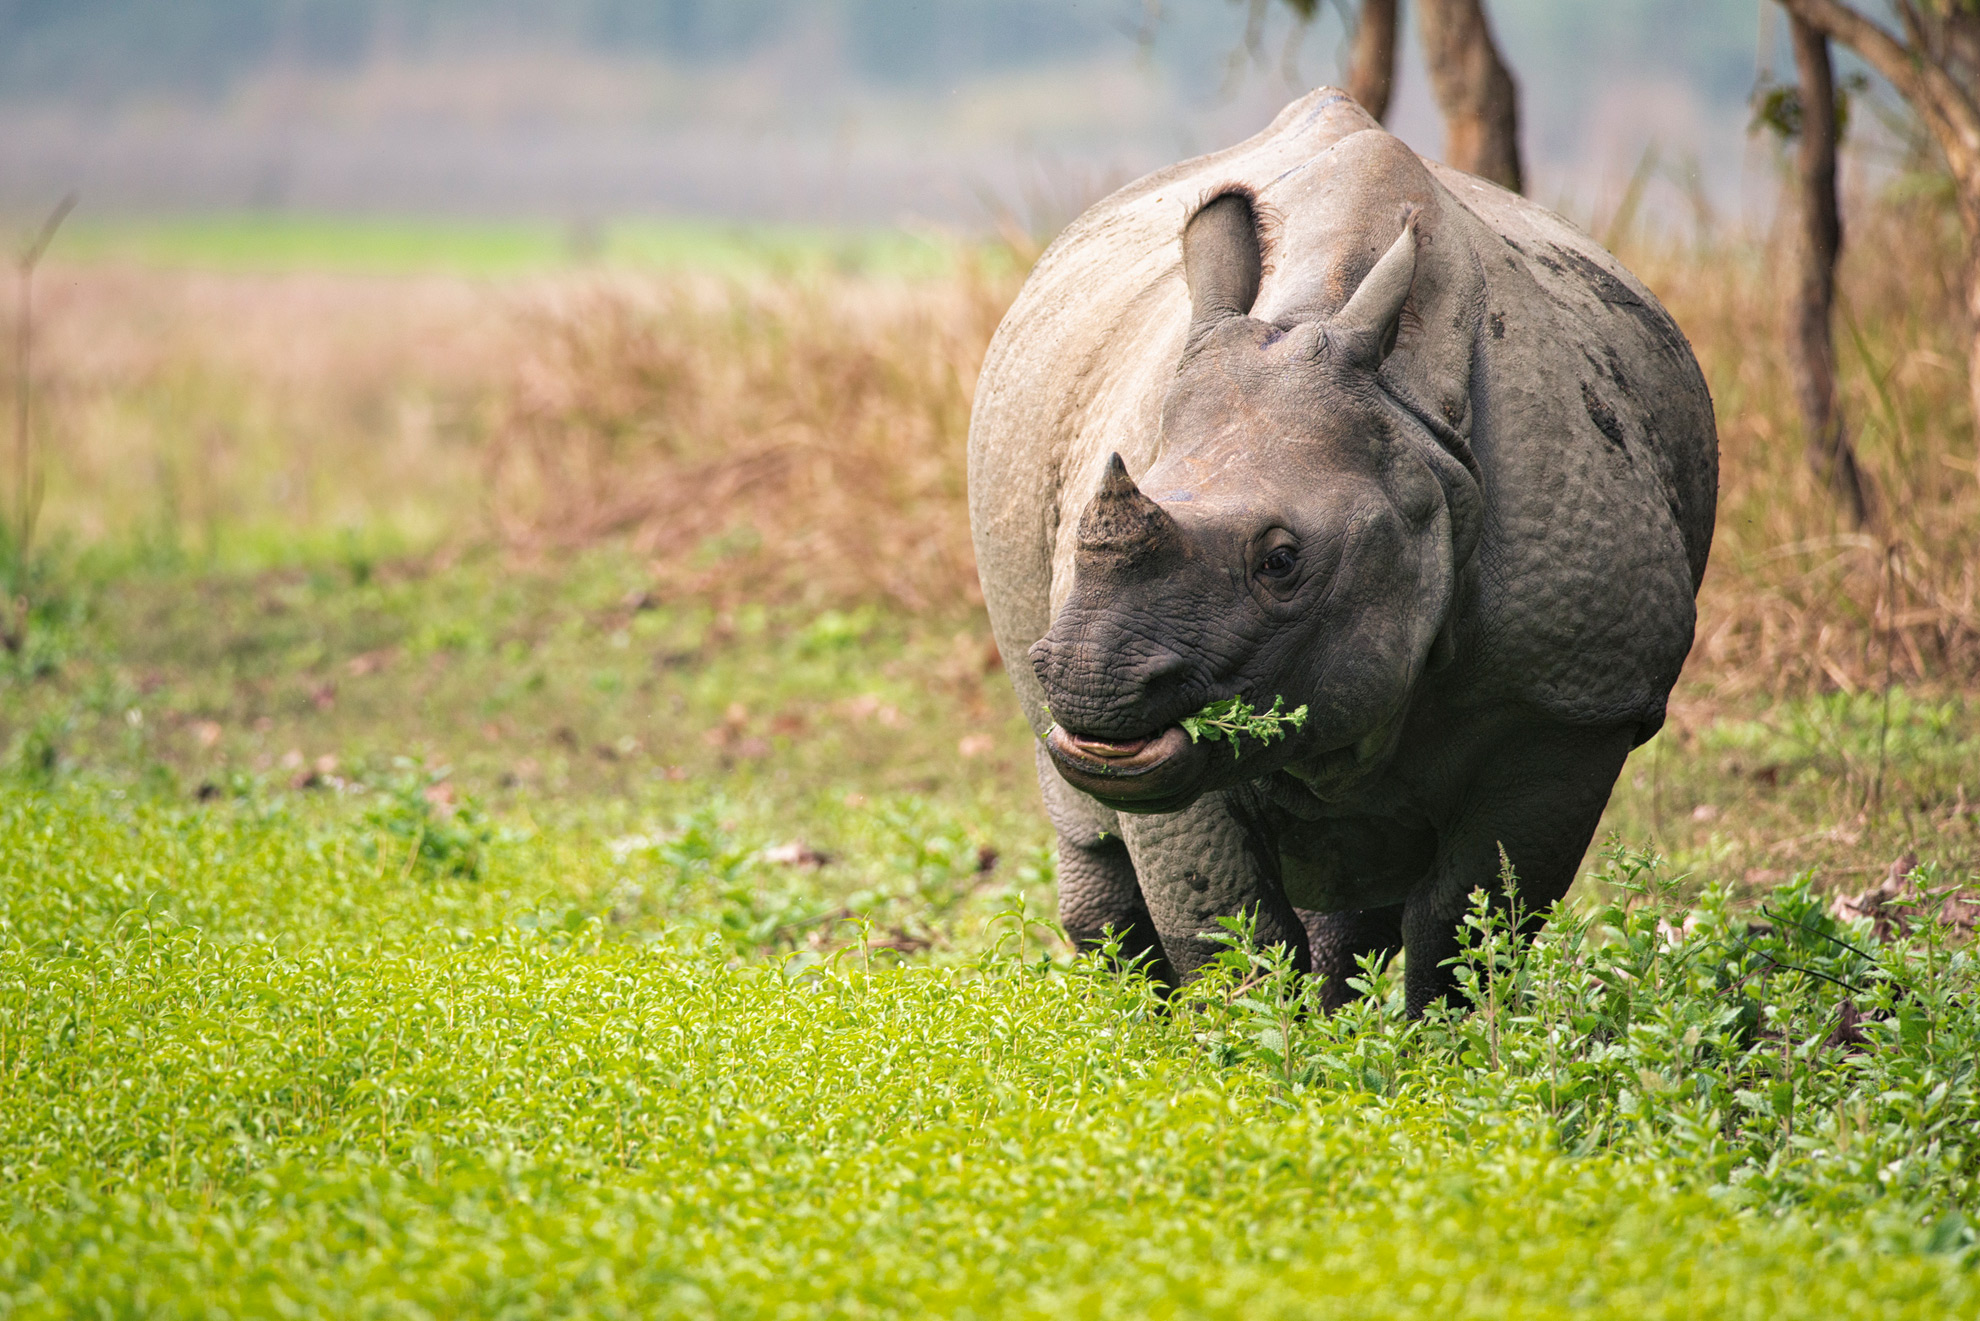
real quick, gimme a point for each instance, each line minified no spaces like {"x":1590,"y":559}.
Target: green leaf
{"x":1234,"y":718}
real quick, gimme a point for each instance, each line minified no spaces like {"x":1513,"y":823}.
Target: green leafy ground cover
{"x":258,"y":1061}
{"x":582,"y":953}
{"x":572,"y":690}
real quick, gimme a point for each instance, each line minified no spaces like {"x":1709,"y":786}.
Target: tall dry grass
{"x":785,"y":439}
{"x":1796,"y":600}
{"x":827,"y":425}
{"x":803,"y":439}
{"x":190,"y":409}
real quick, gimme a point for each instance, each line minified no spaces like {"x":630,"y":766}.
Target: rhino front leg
{"x":1097,"y":886}
{"x":1540,"y":800}
{"x":1212,"y":859}
{"x":1339,"y":940}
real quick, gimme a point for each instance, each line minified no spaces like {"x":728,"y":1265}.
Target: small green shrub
{"x":1784,"y":1056}
{"x":426,"y":823}
{"x":37,"y":752}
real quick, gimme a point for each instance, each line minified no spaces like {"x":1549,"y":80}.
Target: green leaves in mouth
{"x":1234,"y":719}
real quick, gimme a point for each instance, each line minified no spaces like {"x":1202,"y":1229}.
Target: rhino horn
{"x":1374,"y":314}
{"x":1122,"y":521}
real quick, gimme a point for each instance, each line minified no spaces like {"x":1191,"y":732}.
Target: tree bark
{"x":1942,"y":100}
{"x":1474,"y":89}
{"x":1972,"y":227}
{"x":1811,"y":339}
{"x":1372,"y":68}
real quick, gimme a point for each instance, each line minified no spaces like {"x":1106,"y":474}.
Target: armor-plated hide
{"x":1313,"y":419}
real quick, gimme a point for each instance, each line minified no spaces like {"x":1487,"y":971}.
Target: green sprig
{"x":1234,"y":718}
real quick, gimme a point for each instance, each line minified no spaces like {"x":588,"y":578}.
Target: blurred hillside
{"x":841,"y":111}
{"x":116,"y":47}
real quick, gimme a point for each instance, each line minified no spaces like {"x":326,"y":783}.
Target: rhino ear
{"x":1373,"y":316}
{"x":1223,"y":259}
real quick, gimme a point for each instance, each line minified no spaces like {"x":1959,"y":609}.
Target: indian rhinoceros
{"x":1315,"y":421}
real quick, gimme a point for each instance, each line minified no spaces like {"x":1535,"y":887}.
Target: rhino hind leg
{"x":1541,"y":804}
{"x":1098,"y":889}
{"x":1340,"y":940}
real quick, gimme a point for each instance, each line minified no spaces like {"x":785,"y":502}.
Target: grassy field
{"x":268,"y":1060}
{"x":510,"y":806}
{"x":276,"y":241}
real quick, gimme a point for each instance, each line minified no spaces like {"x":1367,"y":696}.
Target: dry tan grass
{"x":1797,"y":601}
{"x":780,"y":440}
{"x":190,"y":406}
{"x":803,"y":439}
{"x":826,"y":424}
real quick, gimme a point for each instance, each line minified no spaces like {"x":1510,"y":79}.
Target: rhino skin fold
{"x":1314,"y":419}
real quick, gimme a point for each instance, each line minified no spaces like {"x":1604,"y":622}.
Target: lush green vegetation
{"x":264,"y":1058}
{"x":732,"y":998}
{"x":580,"y":690}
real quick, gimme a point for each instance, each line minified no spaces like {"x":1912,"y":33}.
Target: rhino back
{"x":1593,"y":432}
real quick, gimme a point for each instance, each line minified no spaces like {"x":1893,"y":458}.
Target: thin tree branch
{"x":1922,"y":82}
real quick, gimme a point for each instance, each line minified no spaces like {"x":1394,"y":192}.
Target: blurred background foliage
{"x":125,"y":47}
{"x":860,"y":111}
{"x":120,"y":47}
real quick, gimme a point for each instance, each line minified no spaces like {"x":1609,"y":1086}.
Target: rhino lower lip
{"x":1110,"y":750}
{"x":1144,"y":774}
{"x":1114,"y":756}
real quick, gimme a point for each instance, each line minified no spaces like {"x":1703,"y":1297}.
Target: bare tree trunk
{"x":1928,"y":62}
{"x":1969,"y":217}
{"x":1811,"y":340}
{"x":1474,"y":89}
{"x":1372,"y":70}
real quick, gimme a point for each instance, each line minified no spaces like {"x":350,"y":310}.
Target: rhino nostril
{"x":1160,"y":678}
{"x":1108,"y":679}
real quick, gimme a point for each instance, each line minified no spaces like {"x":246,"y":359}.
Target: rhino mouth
{"x":1161,"y":772}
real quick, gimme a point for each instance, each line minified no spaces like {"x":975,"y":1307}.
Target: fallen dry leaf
{"x":1898,"y":903}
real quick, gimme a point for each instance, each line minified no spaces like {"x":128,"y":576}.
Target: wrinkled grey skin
{"x":1392,"y":443}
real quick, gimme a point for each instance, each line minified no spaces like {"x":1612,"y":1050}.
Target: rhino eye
{"x":1279,"y":564}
